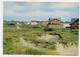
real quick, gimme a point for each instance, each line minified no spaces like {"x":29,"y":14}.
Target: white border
{"x":79,"y":28}
{"x":1,"y":28}
{"x":46,"y":0}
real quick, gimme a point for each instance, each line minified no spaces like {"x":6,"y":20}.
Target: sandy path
{"x":18,"y":27}
{"x":31,"y":45}
{"x":50,"y":37}
{"x":73,"y":50}
{"x":27,"y":44}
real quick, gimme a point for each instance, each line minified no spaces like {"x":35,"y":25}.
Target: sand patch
{"x":31,"y":45}
{"x":50,"y":37}
{"x":72,"y":50}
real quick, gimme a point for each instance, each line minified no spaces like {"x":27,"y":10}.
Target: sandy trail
{"x":50,"y":37}
{"x":18,"y":27}
{"x":73,"y":50}
{"x":27,"y":44}
{"x":31,"y":45}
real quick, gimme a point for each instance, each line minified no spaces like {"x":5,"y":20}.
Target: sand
{"x":31,"y":45}
{"x":72,"y":50}
{"x":18,"y":27}
{"x":50,"y":37}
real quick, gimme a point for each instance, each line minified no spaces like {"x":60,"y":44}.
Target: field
{"x":13,"y":45}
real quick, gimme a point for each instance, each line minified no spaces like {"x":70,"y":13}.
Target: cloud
{"x":64,"y":5}
{"x":18,"y":7}
{"x":41,"y":9}
{"x":31,"y":6}
{"x":9,"y":12}
{"x":28,"y":6}
{"x":41,"y":13}
{"x":37,"y":13}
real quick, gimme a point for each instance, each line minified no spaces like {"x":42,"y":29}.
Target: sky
{"x":40,"y":11}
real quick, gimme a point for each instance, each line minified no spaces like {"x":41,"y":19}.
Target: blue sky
{"x":40,"y":11}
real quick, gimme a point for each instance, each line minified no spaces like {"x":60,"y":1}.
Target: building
{"x":44,"y":23}
{"x":74,"y":23}
{"x":24,"y":22}
{"x":18,"y":23}
{"x":33,"y":22}
{"x":4,"y":21}
{"x":55,"y":26}
{"x":27,"y":23}
{"x":55,"y":23}
{"x":68,"y":28}
{"x":38,"y":21}
{"x":66,"y":25}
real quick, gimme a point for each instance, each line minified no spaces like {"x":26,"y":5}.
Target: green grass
{"x":31,"y":33}
{"x":29,"y":51}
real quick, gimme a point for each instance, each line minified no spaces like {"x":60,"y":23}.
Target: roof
{"x":38,"y":21}
{"x":33,"y":21}
{"x":55,"y":18}
{"x":73,"y":20}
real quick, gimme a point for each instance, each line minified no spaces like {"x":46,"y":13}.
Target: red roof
{"x":33,"y":21}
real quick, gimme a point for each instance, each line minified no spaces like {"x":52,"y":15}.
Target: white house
{"x":27,"y":23}
{"x":33,"y":22}
{"x":66,"y":25}
{"x":18,"y":23}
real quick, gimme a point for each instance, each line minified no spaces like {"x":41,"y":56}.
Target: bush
{"x":11,"y":24}
{"x":35,"y":26}
{"x":53,"y":47}
{"x":48,"y":29}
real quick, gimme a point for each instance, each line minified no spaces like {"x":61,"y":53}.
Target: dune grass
{"x":31,"y":33}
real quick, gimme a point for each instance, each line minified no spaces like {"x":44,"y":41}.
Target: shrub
{"x":11,"y":24}
{"x":50,"y":47}
{"x":48,"y":29}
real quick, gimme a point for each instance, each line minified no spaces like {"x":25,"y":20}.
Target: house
{"x":18,"y":23}
{"x":68,"y":28}
{"x":74,"y":23}
{"x":33,"y":22}
{"x":21,"y":23}
{"x":44,"y":23}
{"x":38,"y":21}
{"x":4,"y":21}
{"x":27,"y":23}
{"x":66,"y":25}
{"x":24,"y":22}
{"x":55,"y":23}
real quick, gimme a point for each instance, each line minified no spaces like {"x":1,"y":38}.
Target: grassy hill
{"x":11,"y":37}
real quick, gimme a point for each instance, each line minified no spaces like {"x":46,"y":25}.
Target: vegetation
{"x":11,"y":37}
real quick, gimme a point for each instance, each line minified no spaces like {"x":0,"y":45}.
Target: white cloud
{"x":18,"y":7}
{"x":37,"y":12}
{"x":41,"y":13}
{"x":64,"y":5}
{"x":29,"y":6}
{"x":9,"y":12}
